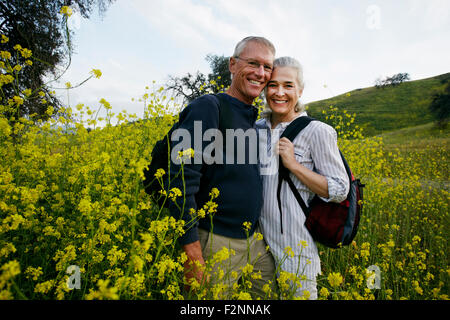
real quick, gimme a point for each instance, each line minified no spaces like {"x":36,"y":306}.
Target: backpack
{"x":329,"y":223}
{"x":161,"y":151}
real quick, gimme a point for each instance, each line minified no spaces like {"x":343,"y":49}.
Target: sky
{"x":342,"y":44}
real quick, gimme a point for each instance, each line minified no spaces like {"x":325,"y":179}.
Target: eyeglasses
{"x":256,"y":64}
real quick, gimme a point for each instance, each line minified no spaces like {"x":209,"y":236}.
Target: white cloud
{"x":140,"y":41}
{"x":431,"y":14}
{"x":189,"y":24}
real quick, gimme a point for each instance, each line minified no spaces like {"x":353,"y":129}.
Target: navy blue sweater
{"x":240,"y":186}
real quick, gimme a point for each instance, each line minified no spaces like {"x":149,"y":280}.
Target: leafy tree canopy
{"x":192,"y":86}
{"x":39,"y":26}
{"x":396,"y":79}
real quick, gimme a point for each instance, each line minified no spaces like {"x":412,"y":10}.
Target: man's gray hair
{"x":243,"y":43}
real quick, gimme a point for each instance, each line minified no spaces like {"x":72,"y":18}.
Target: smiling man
{"x":251,"y":68}
{"x":239,"y":184}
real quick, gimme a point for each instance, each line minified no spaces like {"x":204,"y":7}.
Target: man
{"x":239,"y":185}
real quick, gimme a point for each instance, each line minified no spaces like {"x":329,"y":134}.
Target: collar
{"x":283,"y":125}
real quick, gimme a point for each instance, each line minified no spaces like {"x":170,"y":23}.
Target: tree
{"x":392,"y":81}
{"x":192,"y":86}
{"x":440,"y":107}
{"x":188,"y":87}
{"x":220,"y":70}
{"x":38,"y":25}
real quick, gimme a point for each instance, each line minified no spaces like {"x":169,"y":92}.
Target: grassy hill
{"x":418,"y":138}
{"x":386,"y":109}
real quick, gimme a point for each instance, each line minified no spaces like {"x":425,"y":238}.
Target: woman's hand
{"x":285,"y":148}
{"x":314,"y":181}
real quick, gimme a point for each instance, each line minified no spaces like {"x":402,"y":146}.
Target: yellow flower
{"x":5,"y":79}
{"x":174,"y":193}
{"x":288,"y":250}
{"x":324,"y":292}
{"x":34,"y":273}
{"x":105,"y":103}
{"x":303,"y":243}
{"x":44,"y":287}
{"x":96,"y":73}
{"x":159,"y":173}
{"x":258,"y":236}
{"x":221,"y":255}
{"x":201,"y":213}
{"x":335,"y":279}
{"x":9,"y":270}
{"x":247,"y":269}
{"x":115,"y":255}
{"x":66,"y":10}
{"x":5,"y":55}
{"x":5,"y":39}
{"x":104,"y":292}
{"x":17,"y":67}
{"x":417,"y":288}
{"x":18,"y":100}
{"x":185,"y":154}
{"x":26,"y":53}
{"x":247,"y":225}
{"x":214,"y":193}
{"x":210,"y":207}
{"x":244,"y":296}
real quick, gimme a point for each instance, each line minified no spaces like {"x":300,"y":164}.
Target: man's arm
{"x":205,"y":110}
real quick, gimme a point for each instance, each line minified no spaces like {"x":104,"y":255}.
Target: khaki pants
{"x":231,"y":271}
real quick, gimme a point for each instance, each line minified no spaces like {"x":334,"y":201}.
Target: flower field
{"x":70,"y":196}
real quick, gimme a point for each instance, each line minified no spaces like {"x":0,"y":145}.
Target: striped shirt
{"x":315,"y":147}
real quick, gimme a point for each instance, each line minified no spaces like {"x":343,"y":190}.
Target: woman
{"x":315,"y":167}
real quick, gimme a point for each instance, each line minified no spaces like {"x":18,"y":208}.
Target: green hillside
{"x":417,"y":138}
{"x":380,"y":110}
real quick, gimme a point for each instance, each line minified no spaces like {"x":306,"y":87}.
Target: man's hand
{"x":194,"y":267}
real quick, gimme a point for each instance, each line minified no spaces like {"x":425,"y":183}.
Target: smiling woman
{"x":284,"y":90}
{"x":283,"y":95}
{"x":315,"y":165}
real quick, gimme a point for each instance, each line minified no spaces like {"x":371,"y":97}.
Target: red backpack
{"x":330,"y":223}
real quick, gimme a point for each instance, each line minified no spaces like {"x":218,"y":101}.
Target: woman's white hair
{"x":293,"y":63}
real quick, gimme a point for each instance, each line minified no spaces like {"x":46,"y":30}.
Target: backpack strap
{"x":225,"y":115}
{"x":292,"y":130}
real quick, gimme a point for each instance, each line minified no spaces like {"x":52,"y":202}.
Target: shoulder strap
{"x":297,"y":125}
{"x":225,"y":116}
{"x":291,"y":131}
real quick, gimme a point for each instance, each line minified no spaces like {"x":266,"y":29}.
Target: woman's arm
{"x":327,"y":160}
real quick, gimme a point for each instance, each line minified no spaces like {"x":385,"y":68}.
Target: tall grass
{"x":70,"y":196}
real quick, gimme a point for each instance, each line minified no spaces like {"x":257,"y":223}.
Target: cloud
{"x":186,"y":23}
{"x":431,"y":14}
{"x":331,"y":39}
